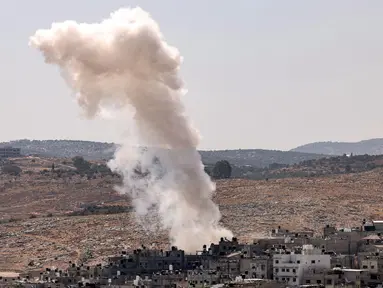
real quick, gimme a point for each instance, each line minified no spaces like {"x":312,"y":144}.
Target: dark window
{"x":308,"y":281}
{"x":298,"y":261}
{"x":319,"y":281}
{"x":294,"y":279}
{"x":312,"y":261}
{"x":329,"y":281}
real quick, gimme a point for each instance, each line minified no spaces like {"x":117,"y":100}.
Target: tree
{"x":222,"y":170}
{"x":81,"y":164}
{"x":207,"y":171}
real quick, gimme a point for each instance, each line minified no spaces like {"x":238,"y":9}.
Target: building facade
{"x":290,"y":267}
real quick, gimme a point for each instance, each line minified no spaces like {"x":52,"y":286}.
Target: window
{"x":294,"y":271}
{"x":298,"y":261}
{"x":287,"y":270}
{"x":319,"y":281}
{"x":364,"y":266}
{"x":372,"y":267}
{"x":283,"y":269}
{"x":312,"y":261}
{"x":263,"y":267}
{"x":308,"y":281}
{"x":283,"y":279}
{"x":276,"y":261}
{"x":276,"y":270}
{"x":294,"y":279}
{"x":329,"y":282}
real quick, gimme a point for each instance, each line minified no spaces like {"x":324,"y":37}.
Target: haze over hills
{"x":97,"y":151}
{"x":370,"y":147}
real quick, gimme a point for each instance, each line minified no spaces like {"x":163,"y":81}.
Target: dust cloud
{"x":122,"y":63}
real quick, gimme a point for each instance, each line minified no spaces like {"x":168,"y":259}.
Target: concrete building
{"x":202,"y":278}
{"x":9,"y":152}
{"x":290,"y":266}
{"x":378,"y":224}
{"x":280,"y":232}
{"x":349,"y":278}
{"x":259,"y":267}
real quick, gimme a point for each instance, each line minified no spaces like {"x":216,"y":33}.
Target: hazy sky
{"x":260,"y":74}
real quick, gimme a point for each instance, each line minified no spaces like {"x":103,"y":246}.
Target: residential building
{"x":289,"y":266}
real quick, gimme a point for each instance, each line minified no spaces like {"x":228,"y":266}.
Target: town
{"x":341,"y":257}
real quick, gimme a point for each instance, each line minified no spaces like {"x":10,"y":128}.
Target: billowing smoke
{"x":124,"y":62}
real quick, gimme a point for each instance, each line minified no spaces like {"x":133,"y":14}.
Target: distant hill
{"x":370,"y":147}
{"x":312,"y":168}
{"x":98,"y":151}
{"x":64,"y":148}
{"x":257,"y":157}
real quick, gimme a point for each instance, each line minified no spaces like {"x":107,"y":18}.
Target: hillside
{"x":36,"y":228}
{"x":98,"y":151}
{"x":371,"y":147}
{"x":313,"y":167}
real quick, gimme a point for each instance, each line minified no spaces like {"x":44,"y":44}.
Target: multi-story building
{"x":202,"y":278}
{"x":259,"y":267}
{"x":9,"y":152}
{"x":290,"y":266}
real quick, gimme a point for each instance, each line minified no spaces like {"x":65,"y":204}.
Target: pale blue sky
{"x":260,"y":74}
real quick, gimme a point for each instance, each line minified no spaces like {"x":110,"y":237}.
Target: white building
{"x":289,"y":267}
{"x":370,"y":264}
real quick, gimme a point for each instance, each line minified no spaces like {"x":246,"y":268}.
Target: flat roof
{"x":9,"y":274}
{"x":352,"y":270}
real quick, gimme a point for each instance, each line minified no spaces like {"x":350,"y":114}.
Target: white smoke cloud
{"x":124,"y":62}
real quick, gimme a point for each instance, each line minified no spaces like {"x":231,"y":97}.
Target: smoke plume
{"x":125,"y":62}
